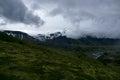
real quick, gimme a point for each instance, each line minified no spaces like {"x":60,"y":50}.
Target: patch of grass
{"x":33,"y":62}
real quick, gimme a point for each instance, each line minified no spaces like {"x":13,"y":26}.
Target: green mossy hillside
{"x":32,"y":62}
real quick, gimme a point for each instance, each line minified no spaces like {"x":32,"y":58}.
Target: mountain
{"x":43,"y":37}
{"x":28,"y":61}
{"x":7,"y":38}
{"x":90,"y":43}
{"x":89,"y":40}
{"x":60,"y":39}
{"x":86,"y":44}
{"x":21,"y":36}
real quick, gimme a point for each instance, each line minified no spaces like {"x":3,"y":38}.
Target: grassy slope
{"x":31,"y":62}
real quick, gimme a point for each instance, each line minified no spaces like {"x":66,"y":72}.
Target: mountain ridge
{"x":60,"y":39}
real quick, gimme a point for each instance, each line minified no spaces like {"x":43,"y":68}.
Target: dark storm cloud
{"x":87,"y":9}
{"x":99,"y":18}
{"x":94,"y":17}
{"x":16,"y":11}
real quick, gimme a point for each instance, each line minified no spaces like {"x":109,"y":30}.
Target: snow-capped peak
{"x":43,"y":37}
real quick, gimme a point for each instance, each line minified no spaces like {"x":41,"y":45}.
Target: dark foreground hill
{"x":25,"y":61}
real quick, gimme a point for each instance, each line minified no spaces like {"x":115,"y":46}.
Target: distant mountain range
{"x":59,"y":38}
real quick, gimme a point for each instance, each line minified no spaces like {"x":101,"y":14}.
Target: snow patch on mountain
{"x":43,"y":37}
{"x":18,"y":34}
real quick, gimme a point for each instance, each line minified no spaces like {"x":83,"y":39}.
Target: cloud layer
{"x":99,"y":18}
{"x":16,"y":11}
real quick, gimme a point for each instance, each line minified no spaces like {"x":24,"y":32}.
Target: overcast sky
{"x":78,"y":18}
